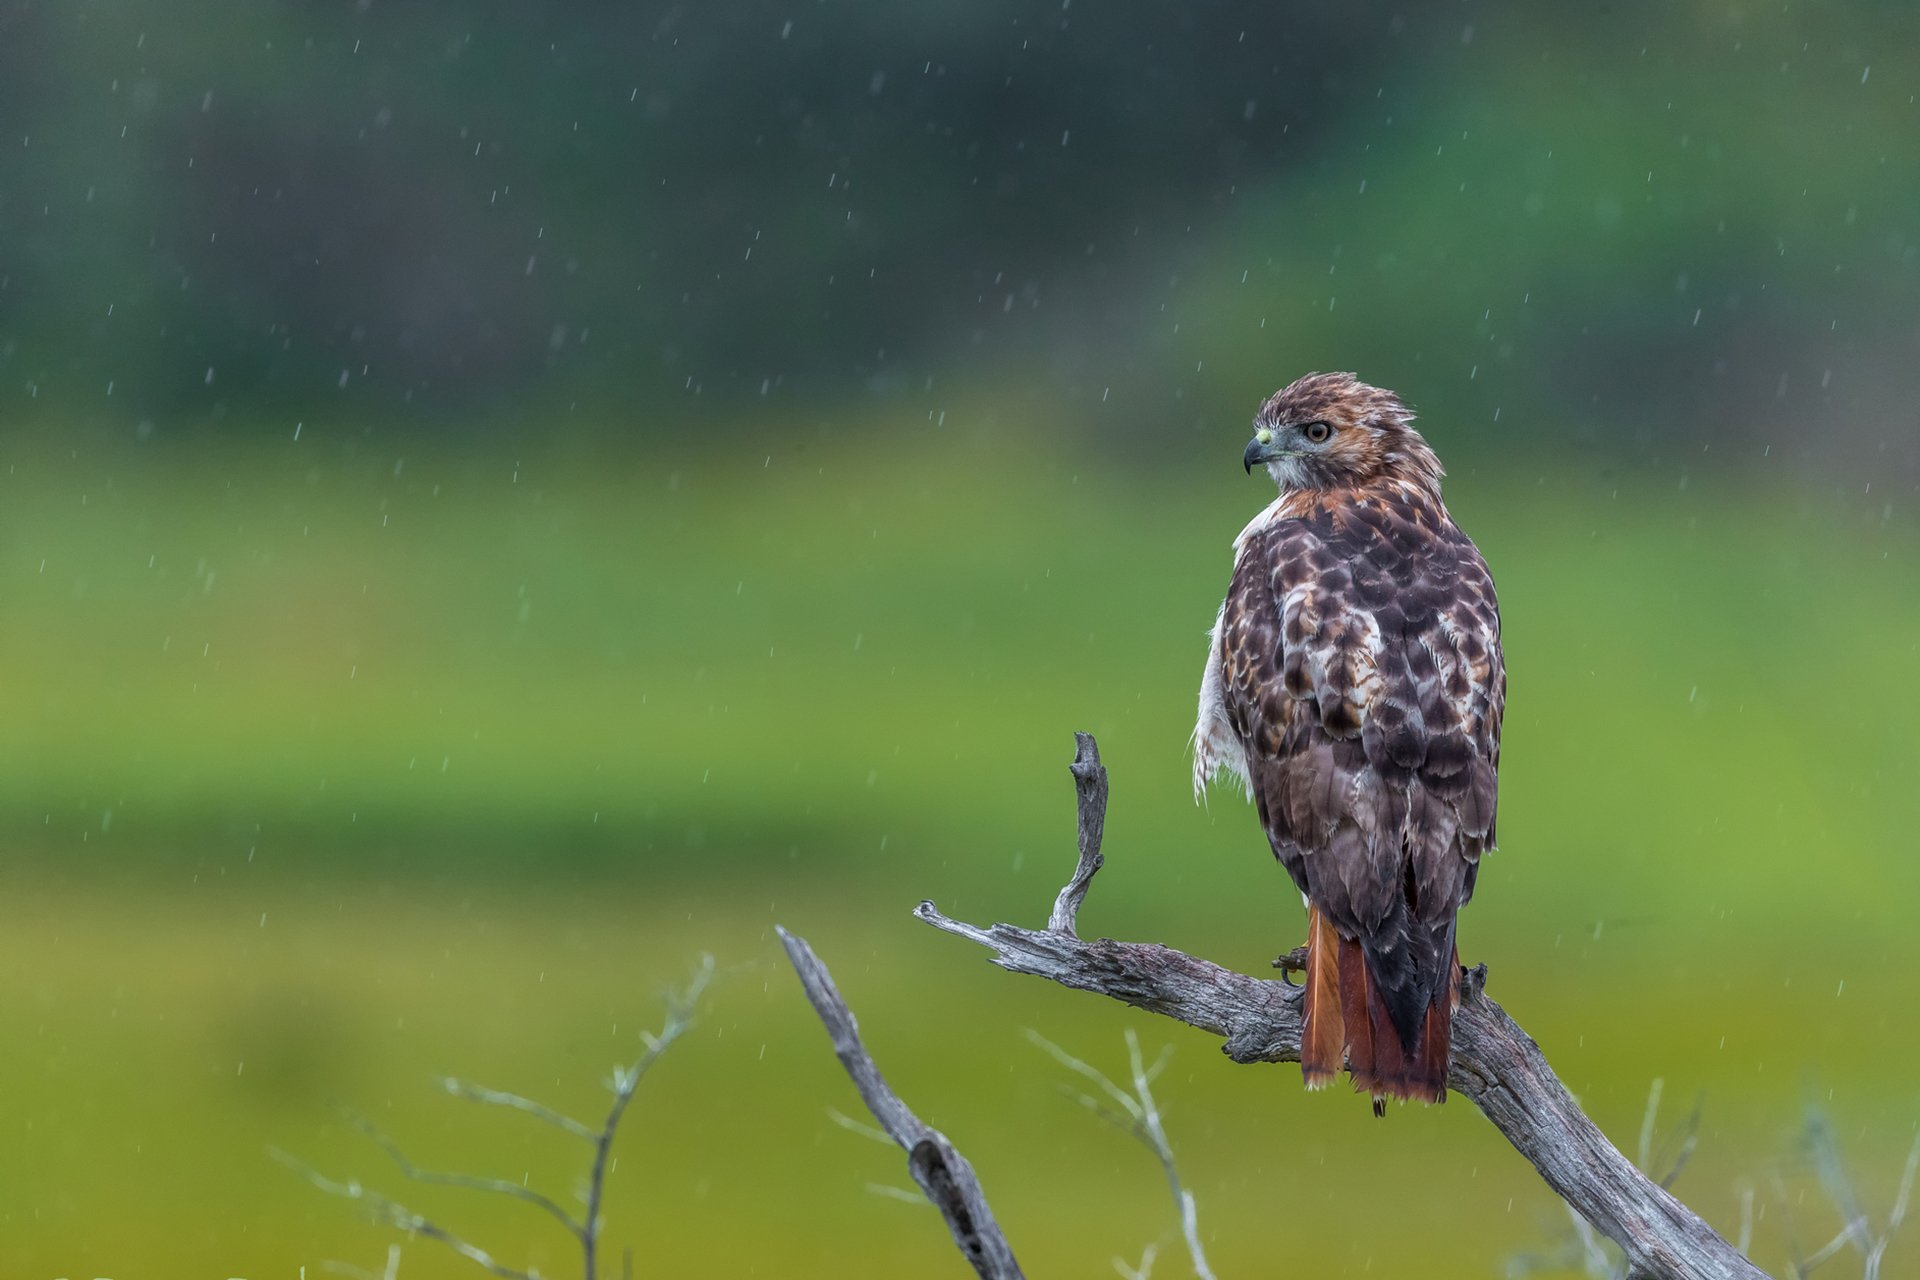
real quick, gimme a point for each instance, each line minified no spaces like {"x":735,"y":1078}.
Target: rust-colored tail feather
{"x":1323,"y":1043}
{"x":1346,"y":1016}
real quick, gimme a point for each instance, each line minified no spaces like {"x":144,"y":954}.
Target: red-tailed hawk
{"x":1354,"y":685}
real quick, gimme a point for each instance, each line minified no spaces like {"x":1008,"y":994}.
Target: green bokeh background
{"x":441,"y":734}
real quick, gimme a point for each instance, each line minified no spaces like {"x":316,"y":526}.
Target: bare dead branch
{"x":940,"y":1170}
{"x":1496,"y":1066}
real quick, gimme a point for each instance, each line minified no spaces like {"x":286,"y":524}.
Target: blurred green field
{"x":326,"y":771}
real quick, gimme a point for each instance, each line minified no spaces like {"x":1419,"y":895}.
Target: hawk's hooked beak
{"x":1260,"y":451}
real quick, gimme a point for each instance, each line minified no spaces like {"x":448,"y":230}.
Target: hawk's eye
{"x":1318,"y":432}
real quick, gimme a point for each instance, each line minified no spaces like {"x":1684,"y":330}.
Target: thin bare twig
{"x":585,"y":1230}
{"x":1832,"y":1172}
{"x":1124,"y":1115}
{"x":1652,"y":1116}
{"x":887,"y":1191}
{"x":1678,"y":1149}
{"x":1599,"y":1265}
{"x":1898,"y":1215}
{"x":1857,"y":1228}
{"x":392,"y":1271}
{"x":1672,"y":1152}
{"x":1905,"y":1197}
{"x":1138,"y":1115}
{"x":625,"y":1080}
{"x":495,"y":1186}
{"x":1795,"y":1258}
{"x":860,"y":1127}
{"x":942,"y":1173}
{"x":539,"y":1111}
{"x":397,"y":1215}
{"x":1142,"y":1272}
{"x":1495,"y":1065}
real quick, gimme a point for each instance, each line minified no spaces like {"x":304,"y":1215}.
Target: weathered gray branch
{"x":1496,"y":1065}
{"x":942,"y":1172}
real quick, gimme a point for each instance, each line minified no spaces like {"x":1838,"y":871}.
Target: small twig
{"x":334,"y":1268}
{"x":1090,"y":784}
{"x":585,"y":1230}
{"x":1681,"y":1143}
{"x":392,"y":1271}
{"x":1905,"y":1196}
{"x":1676,"y":1149}
{"x":495,"y":1186}
{"x":860,"y":1127}
{"x":539,"y":1111}
{"x":1858,"y":1228}
{"x":1593,"y":1255}
{"x":1138,"y":1115}
{"x":1127,"y":1118}
{"x":1826,"y":1250}
{"x":397,"y":1215}
{"x":625,"y":1081}
{"x":1647,"y":1122}
{"x":1897,"y":1215}
{"x":1795,"y":1258}
{"x":1183,"y":1198}
{"x":940,"y":1170}
{"x":1832,"y":1171}
{"x":1142,"y":1272}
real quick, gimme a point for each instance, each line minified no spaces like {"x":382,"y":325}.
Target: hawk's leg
{"x":1295,"y":961}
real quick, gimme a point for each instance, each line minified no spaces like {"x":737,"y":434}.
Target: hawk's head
{"x":1331,"y":430}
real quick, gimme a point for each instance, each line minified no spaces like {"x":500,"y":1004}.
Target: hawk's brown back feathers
{"x":1357,"y":686}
